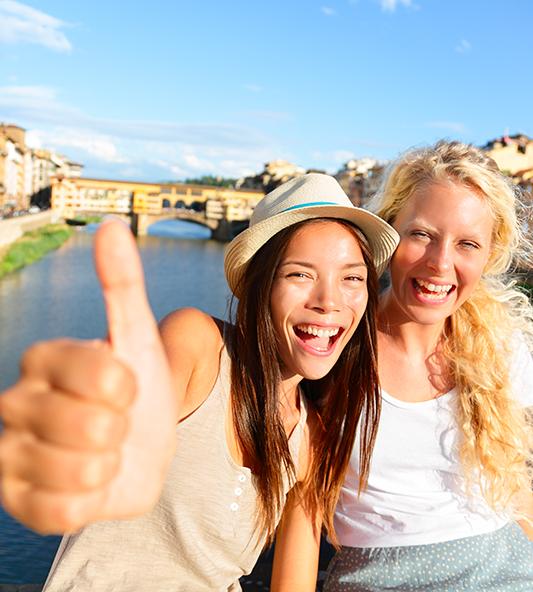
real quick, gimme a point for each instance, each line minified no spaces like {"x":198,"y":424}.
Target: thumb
{"x":119,"y":269}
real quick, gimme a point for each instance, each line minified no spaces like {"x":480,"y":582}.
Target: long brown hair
{"x":347,"y":396}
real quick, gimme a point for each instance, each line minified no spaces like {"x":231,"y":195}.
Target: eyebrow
{"x":311,"y":266}
{"x":472,"y":233}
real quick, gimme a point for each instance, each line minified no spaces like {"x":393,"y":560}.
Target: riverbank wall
{"x":12,"y":229}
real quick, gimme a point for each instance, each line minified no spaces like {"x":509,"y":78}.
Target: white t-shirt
{"x":415,"y":492}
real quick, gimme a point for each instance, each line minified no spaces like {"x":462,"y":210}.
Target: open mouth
{"x":431,"y":291}
{"x":320,"y":339}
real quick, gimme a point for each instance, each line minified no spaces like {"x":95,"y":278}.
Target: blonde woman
{"x":449,"y":472}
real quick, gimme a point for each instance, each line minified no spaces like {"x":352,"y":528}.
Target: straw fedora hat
{"x":314,"y":195}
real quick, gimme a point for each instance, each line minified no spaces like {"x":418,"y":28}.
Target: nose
{"x":325,"y":296}
{"x":440,"y":257}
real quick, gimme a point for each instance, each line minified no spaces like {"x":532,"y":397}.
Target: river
{"x":59,"y":296}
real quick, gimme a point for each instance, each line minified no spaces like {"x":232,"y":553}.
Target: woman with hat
{"x":266,"y":409}
{"x":449,"y":486}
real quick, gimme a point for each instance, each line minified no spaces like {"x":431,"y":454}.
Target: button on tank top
{"x":201,"y":535}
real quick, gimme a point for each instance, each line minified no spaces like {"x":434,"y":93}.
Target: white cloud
{"x":342,"y":156}
{"x":177,"y":171}
{"x":391,"y":5}
{"x":328,"y":10}
{"x":101,"y":147}
{"x":39,"y":93}
{"x":463,"y":46}
{"x":38,"y":105}
{"x":135,"y":149}
{"x":255,"y":88}
{"x":451,"y":126}
{"x":194,"y":162}
{"x":236,"y":168}
{"x":63,"y":139}
{"x":20,"y":23}
{"x":180,"y":162}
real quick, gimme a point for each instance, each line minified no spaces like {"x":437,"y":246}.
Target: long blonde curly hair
{"x":481,"y":336}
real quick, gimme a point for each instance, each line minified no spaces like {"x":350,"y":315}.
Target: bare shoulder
{"x":193,"y":341}
{"x":198,"y":329}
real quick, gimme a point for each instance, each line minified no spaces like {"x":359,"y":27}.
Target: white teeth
{"x":312,"y":330}
{"x":433,"y":291}
{"x":438,"y":289}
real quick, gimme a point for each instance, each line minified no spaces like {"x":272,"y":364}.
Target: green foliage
{"x":32,"y":246}
{"x":212,"y":181}
{"x":89,"y":219}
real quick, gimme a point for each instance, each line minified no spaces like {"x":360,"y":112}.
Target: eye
{"x":469,"y":245}
{"x":297,"y":275}
{"x":355,"y":278}
{"x":420,"y":234}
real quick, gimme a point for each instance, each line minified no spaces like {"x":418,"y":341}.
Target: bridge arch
{"x":145,"y":221}
{"x":191,"y":229}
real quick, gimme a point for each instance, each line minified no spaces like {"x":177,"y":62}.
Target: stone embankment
{"x":13,"y":228}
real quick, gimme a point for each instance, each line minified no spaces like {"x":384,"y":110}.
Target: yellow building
{"x":74,"y":195}
{"x":12,"y":166}
{"x":514,"y":156}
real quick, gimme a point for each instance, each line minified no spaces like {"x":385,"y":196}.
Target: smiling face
{"x":318,"y":297}
{"x":445,"y":231}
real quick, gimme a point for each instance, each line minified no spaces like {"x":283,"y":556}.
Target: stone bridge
{"x":225,"y":210}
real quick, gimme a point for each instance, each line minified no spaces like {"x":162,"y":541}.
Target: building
{"x":275,"y":173}
{"x":360,"y":179}
{"x":26,"y":174}
{"x":514,"y":156}
{"x":13,"y":164}
{"x":46,"y":166}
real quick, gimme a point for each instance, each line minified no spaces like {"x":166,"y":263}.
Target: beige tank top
{"x":200,"y":536}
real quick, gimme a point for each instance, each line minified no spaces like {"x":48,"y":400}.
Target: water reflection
{"x":179,"y":229}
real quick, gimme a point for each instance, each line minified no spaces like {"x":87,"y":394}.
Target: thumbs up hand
{"x":89,"y":428}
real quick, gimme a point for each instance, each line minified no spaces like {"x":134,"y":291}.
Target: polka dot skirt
{"x":501,"y":561}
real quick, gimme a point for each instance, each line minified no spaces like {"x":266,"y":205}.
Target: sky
{"x":165,"y":90}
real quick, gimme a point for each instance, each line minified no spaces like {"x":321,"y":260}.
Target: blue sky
{"x":165,"y":90}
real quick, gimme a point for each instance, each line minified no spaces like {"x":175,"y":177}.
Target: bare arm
{"x":192,"y":341}
{"x":297,"y":549}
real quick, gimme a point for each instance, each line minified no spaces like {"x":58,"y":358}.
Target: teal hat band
{"x":310,"y":203}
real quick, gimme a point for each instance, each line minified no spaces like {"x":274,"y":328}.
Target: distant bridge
{"x":225,"y":211}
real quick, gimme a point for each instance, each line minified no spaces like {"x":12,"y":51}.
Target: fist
{"x":90,"y":426}
{"x":65,"y":423}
